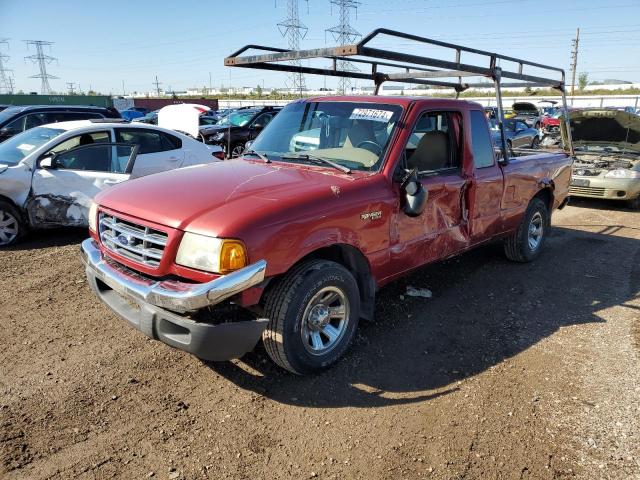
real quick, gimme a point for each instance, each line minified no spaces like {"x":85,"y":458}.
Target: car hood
{"x":615,"y":128}
{"x":220,"y":198}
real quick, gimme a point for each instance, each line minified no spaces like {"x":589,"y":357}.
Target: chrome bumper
{"x":170,"y":294}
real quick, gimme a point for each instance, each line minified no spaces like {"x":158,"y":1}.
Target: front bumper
{"x":607,"y":188}
{"x":140,"y":300}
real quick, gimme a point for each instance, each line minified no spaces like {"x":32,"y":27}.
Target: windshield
{"x":238,"y":119}
{"x":21,"y":145}
{"x":354,"y":135}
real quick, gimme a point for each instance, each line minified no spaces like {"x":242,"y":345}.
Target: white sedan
{"x":50,"y":174}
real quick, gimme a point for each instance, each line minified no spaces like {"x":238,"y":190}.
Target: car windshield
{"x":237,"y":119}
{"x":352,"y":134}
{"x":21,"y":145}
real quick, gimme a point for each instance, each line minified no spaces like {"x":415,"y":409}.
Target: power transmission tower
{"x":71,"y":88}
{"x":157,"y":84}
{"x":574,"y":60}
{"x":344,"y":34}
{"x":42,"y":60}
{"x":6,"y":82}
{"x":295,"y":30}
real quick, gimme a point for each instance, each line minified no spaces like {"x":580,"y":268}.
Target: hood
{"x":524,"y":107}
{"x":615,"y":128}
{"x":220,"y":198}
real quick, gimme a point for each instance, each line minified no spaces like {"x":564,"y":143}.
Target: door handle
{"x":174,"y":159}
{"x":111,"y":182}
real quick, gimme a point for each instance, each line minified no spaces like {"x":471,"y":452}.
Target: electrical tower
{"x":71,"y":88}
{"x":574,"y":60}
{"x":42,"y":60}
{"x":345,"y":34}
{"x":157,"y":84}
{"x":295,"y":30}
{"x":6,"y":82}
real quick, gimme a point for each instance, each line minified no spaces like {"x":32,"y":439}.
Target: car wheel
{"x":313,"y":313}
{"x":635,"y":203}
{"x":526,"y":243}
{"x":12,"y":228}
{"x":535,"y":143}
{"x":237,"y":150}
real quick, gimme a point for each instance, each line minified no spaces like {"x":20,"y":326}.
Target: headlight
{"x":93,"y":217}
{"x":622,"y":173}
{"x":216,"y":255}
{"x":217,"y":136}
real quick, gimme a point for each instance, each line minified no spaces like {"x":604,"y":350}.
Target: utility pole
{"x":42,"y":60}
{"x":574,"y":60}
{"x":292,"y":28}
{"x":210,"y":85}
{"x":124,"y":92}
{"x":157,"y":84}
{"x":345,"y":34}
{"x":70,"y":87}
{"x":6,"y":82}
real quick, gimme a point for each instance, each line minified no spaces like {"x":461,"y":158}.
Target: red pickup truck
{"x":337,"y":197}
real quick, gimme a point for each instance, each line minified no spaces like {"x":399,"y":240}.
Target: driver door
{"x":64,"y":184}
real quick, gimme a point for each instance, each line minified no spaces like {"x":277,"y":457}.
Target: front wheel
{"x":527,"y":242}
{"x":237,"y":150}
{"x":535,"y":144}
{"x":12,"y":228}
{"x":313,"y":313}
{"x":635,"y":203}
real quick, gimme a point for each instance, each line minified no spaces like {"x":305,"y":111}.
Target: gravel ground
{"x":509,"y":371}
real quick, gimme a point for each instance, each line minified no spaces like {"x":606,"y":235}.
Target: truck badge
{"x":371,"y":215}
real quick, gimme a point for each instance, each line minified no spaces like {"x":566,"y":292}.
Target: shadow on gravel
{"x":54,"y":237}
{"x":484,"y":310}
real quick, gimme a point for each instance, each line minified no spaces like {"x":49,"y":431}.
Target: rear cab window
{"x":481,"y":144}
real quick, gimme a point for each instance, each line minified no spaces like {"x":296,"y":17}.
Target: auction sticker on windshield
{"x":371,"y":114}
{"x":26,"y":146}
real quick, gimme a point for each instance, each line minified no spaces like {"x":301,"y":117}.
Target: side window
{"x":90,"y":157}
{"x":150,"y":141}
{"x":17,"y":125}
{"x":434,"y":142}
{"x":35,"y":120}
{"x":480,"y":141}
{"x":169,"y":142}
{"x":263,"y":119}
{"x":84,"y":139}
{"x":55,"y":117}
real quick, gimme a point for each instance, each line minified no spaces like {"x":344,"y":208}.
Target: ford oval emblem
{"x":124,"y":240}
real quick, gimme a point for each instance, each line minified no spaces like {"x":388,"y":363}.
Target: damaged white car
{"x":50,"y":174}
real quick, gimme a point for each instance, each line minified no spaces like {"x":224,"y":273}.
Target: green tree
{"x":583,"y":80}
{"x":259,"y":91}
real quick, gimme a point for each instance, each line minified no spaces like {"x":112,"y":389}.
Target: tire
{"x":12,"y":226}
{"x":635,"y":203}
{"x":236,"y":150}
{"x":302,"y":297}
{"x":535,"y":143}
{"x":519,"y":247}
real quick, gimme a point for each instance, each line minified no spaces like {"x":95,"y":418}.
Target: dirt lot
{"x":509,"y":371}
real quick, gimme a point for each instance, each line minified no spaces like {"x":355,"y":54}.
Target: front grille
{"x":135,"y":242}
{"x":591,"y":191}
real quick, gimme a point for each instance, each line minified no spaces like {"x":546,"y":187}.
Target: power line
{"x":292,"y":28}
{"x":70,"y":87}
{"x":574,"y":61}
{"x":6,"y":82}
{"x":344,"y":34}
{"x":42,"y":60}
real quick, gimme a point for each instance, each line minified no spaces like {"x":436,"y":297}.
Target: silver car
{"x":517,"y":134}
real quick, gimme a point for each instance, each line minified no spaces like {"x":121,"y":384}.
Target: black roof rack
{"x":405,"y":67}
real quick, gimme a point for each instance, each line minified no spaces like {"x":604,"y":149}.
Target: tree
{"x":583,"y":80}
{"x":259,"y":91}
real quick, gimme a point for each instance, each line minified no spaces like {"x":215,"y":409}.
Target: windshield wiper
{"x":313,"y":158}
{"x":262,"y":156}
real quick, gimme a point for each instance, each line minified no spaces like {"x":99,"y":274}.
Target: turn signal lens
{"x":93,"y":217}
{"x":232,"y":256}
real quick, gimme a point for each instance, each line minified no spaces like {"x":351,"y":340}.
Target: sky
{"x":103,"y":44}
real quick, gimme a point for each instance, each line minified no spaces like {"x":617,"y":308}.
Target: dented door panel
{"x":63,"y":197}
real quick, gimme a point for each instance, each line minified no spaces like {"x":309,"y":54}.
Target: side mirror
{"x":257,"y":126}
{"x":47,"y":162}
{"x":415,"y":194}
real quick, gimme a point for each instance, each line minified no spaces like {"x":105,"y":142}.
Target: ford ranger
{"x":290,"y":242}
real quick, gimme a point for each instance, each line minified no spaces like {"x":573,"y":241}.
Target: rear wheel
{"x":313,"y":313}
{"x":535,"y":143}
{"x":528,"y":241}
{"x":11,"y":225}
